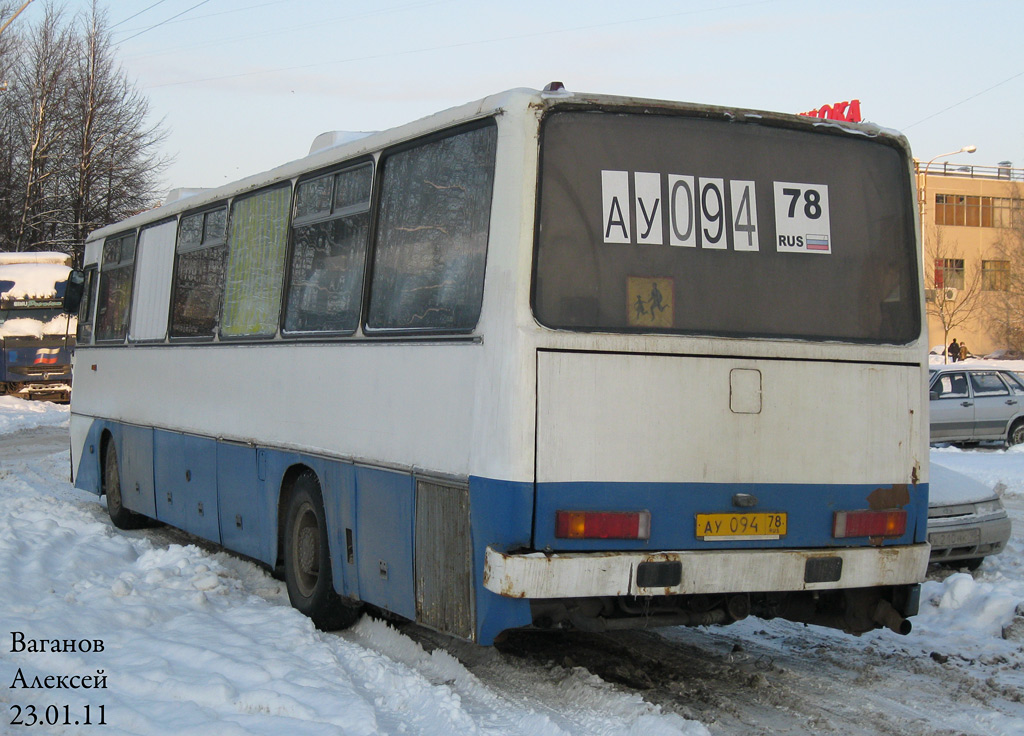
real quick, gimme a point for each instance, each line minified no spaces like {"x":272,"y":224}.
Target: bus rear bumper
{"x":588,"y":574}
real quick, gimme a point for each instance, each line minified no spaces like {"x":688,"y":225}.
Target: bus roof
{"x":519,"y":98}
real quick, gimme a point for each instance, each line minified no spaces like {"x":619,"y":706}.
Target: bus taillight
{"x":869,"y":524}
{"x":603,"y":524}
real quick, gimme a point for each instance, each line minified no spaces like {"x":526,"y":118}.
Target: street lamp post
{"x":922,"y":173}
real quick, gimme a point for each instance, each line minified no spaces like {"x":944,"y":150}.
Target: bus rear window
{"x":657,"y":223}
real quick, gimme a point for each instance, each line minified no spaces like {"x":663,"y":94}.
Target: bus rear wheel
{"x":121,"y":517}
{"x":307,"y":559}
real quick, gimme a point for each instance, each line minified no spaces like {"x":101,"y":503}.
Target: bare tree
{"x":41,"y":83}
{"x":116,"y":163}
{"x":77,"y":148}
{"x":8,"y":54}
{"x":954,"y":294}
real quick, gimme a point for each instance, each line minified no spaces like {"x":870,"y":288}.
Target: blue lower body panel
{"x":674,"y":506}
{"x":229,"y":493}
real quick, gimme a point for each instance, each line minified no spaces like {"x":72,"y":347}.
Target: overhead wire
{"x":229,"y":11}
{"x":464,"y":44}
{"x":285,"y":29}
{"x":136,"y":15}
{"x":163,"y":22}
{"x":966,"y":99}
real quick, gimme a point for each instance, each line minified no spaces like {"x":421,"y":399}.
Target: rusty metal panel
{"x":444,"y":562}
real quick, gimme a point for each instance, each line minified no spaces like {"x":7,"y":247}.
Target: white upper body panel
{"x":488,"y":403}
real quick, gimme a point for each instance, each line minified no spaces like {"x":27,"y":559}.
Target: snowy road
{"x":197,"y":641}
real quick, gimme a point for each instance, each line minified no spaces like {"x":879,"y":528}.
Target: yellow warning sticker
{"x":650,"y":300}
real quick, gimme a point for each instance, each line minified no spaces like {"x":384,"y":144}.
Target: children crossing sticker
{"x":649,"y":301}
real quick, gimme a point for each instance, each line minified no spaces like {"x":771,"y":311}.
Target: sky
{"x":245,"y":85}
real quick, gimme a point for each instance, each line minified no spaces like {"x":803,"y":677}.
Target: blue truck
{"x":36,"y":338}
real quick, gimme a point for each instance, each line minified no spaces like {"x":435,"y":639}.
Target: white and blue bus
{"x":547,"y":359}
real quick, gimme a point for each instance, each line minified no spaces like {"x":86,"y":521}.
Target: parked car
{"x":966,"y":519}
{"x":972,"y":404}
{"x":1005,"y":354}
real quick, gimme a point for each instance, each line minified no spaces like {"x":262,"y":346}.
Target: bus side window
{"x":329,"y":252}
{"x":154,"y":266}
{"x":257,"y":241}
{"x":199,"y":274}
{"x":117,"y":270}
{"x":435,"y":207}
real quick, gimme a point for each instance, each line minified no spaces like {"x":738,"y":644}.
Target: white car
{"x":966,"y":519}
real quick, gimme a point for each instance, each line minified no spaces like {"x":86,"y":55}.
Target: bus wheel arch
{"x":303,"y":547}
{"x":110,"y":486}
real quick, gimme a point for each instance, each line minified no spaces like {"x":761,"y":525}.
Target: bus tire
{"x":121,"y":517}
{"x":307,"y":559}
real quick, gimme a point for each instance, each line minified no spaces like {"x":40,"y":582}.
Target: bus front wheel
{"x":307,"y":559}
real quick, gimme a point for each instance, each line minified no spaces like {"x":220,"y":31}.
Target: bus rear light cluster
{"x":603,"y":524}
{"x":847,"y":524}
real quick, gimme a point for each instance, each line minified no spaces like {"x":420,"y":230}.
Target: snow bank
{"x":17,"y":414}
{"x":984,"y":604}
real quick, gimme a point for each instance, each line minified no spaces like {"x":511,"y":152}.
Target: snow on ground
{"x":197,"y":641}
{"x":17,"y":414}
{"x":988,"y":601}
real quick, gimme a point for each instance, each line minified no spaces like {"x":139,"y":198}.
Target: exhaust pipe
{"x":890,"y":618}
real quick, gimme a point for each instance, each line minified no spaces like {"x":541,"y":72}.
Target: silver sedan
{"x":966,"y":519}
{"x":971,"y":404}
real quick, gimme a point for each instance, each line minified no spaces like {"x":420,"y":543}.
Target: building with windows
{"x":968,"y":215}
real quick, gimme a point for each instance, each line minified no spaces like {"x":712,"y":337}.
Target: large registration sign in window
{"x":664,"y":223}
